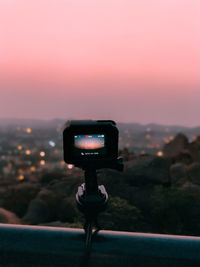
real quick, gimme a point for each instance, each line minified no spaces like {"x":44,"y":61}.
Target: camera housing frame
{"x":106,"y":128}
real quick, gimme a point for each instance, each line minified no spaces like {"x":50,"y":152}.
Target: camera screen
{"x":92,"y":141}
{"x":90,"y":144}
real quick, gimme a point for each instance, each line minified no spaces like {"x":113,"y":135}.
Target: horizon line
{"x":118,"y":122}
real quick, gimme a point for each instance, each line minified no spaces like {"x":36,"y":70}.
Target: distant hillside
{"x":136,"y":127}
{"x":34,"y":123}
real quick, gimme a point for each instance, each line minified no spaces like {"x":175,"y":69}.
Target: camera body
{"x":91,"y":143}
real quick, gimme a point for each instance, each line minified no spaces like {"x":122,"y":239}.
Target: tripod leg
{"x":88,"y":235}
{"x":97,"y":226}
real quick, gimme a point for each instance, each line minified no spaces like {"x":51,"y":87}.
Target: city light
{"x":159,"y":153}
{"x":21,"y":177}
{"x":27,"y":152}
{"x":42,"y":153}
{"x":28,"y":130}
{"x":70,"y":166}
{"x":148,"y":136}
{"x":19,"y":147}
{"x":32,"y":168}
{"x":62,"y":163}
{"x":166,"y":140}
{"x":52,"y":143}
{"x":42,"y":162}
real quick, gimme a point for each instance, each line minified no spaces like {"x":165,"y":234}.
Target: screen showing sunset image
{"x":92,"y":141}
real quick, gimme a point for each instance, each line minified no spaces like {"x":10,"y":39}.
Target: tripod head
{"x":92,"y":199}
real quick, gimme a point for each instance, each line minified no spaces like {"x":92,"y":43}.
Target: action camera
{"x":91,"y":143}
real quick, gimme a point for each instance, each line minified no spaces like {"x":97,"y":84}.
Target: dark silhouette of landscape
{"x":158,"y":192}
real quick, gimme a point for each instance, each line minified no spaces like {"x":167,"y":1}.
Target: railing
{"x":49,"y":246}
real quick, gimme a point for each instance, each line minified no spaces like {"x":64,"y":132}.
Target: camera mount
{"x":92,"y":199}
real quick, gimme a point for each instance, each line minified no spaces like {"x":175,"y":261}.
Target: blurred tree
{"x":175,"y":211}
{"x":17,"y":198}
{"x":68,"y":211}
{"x":120,"y":215}
{"x":47,"y":176}
{"x":126,"y":154}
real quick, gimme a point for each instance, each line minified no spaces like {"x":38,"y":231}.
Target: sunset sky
{"x":127,"y":60}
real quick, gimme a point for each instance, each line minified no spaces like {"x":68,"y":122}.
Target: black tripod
{"x":91,"y":200}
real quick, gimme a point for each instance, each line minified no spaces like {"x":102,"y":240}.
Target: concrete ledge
{"x":48,"y":246}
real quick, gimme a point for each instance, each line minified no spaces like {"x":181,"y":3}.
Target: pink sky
{"x":133,"y":61}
